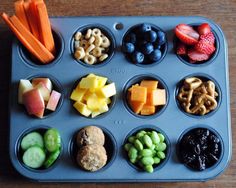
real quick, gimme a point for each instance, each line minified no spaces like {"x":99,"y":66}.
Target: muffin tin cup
{"x":29,"y":60}
{"x":111,"y":105}
{"x":203,"y":77}
{"x":203,"y":63}
{"x":164,"y":49}
{"x":41,"y":129}
{"x":107,"y":33}
{"x":137,"y":79}
{"x":110,"y":146}
{"x":148,"y":128}
{"x":119,"y":121}
{"x":203,"y":127}
{"x":55,"y":86}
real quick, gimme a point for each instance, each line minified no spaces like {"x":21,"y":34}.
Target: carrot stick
{"x":45,"y":27}
{"x":20,"y":13}
{"x":27,"y":39}
{"x":32,"y":17}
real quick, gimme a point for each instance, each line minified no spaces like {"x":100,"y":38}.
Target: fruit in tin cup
{"x":144,"y":44}
{"x":92,"y":95}
{"x":38,"y":96}
{"x":195,"y":44}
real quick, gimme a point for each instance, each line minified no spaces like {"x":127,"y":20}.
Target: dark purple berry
{"x":150,"y":36}
{"x":147,"y":48}
{"x":155,"y":55}
{"x":128,"y":48}
{"x":137,"y":57}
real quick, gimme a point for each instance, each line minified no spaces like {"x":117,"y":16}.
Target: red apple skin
{"x":43,"y":90}
{"x":53,"y":100}
{"x":34,"y":102}
{"x":45,"y":81}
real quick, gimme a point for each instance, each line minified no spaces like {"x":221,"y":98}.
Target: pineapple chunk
{"x":107,"y":91}
{"x":82,"y":108}
{"x":94,"y":103}
{"x":78,"y":94}
{"x":101,"y":81}
{"x":87,"y":95}
{"x":108,"y":100}
{"x":95,"y":113}
{"x":88,"y":83}
{"x":104,"y":107}
{"x":91,"y":75}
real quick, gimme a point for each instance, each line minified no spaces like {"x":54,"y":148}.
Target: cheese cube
{"x":82,"y":108}
{"x":107,"y":91}
{"x":139,"y":94}
{"x":159,"y":97}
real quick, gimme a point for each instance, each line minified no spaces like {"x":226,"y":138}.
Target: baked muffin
{"x":90,"y":135}
{"x":92,"y":157}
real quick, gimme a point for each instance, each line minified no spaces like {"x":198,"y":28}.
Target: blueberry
{"x":155,"y":55}
{"x":131,"y":37}
{"x":150,"y":36}
{"x":137,"y":57}
{"x":161,"y":38}
{"x":128,"y":48}
{"x":144,"y":28}
{"x":147,"y":48}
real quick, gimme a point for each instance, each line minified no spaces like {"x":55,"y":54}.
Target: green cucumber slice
{"x":32,"y":139}
{"x":34,"y":157}
{"x":51,"y":158}
{"x":52,"y":140}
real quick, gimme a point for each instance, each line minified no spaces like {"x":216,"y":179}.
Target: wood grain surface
{"x":222,"y":12}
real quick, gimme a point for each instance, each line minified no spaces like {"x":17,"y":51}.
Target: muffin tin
{"x":120,"y":122}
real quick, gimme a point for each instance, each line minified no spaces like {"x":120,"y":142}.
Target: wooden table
{"x":222,"y":12}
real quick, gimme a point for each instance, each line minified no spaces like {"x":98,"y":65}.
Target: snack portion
{"x":92,"y":46}
{"x":31,"y":25}
{"x":197,"y":96}
{"x":146,"y":149}
{"x":92,"y":95}
{"x":145,"y":98}
{"x":91,"y":155}
{"x":199,"y":149}
{"x":38,"y":96}
{"x":195,"y":44}
{"x":144,"y":44}
{"x":41,"y":150}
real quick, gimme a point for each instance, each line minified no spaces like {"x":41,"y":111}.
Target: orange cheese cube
{"x":149,"y":84}
{"x":139,"y":94}
{"x":136,"y":106}
{"x":148,"y":110}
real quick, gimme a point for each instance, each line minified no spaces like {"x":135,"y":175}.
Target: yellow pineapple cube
{"x":95,"y":113}
{"x":88,"y":82}
{"x":108,"y":100}
{"x":82,"y":108}
{"x":87,"y":95}
{"x":107,"y":91}
{"x":103,"y":107}
{"x":94,"y":103}
{"x":77,"y":94}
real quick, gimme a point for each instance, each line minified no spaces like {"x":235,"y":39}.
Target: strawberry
{"x":195,"y":55}
{"x":186,"y":34}
{"x":204,"y":29}
{"x":181,"y":49}
{"x":204,"y":47}
{"x":209,"y":37}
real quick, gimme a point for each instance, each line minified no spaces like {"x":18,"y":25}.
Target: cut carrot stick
{"x":27,"y":39}
{"x":20,"y":13}
{"x":45,"y":27}
{"x":32,"y":18}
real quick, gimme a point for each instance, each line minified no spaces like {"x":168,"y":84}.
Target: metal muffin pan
{"x":120,"y":122}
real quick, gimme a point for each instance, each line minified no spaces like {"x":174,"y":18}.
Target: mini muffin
{"x":90,"y":135}
{"x":92,"y":157}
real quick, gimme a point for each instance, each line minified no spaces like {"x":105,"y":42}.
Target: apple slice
{"x":46,"y":81}
{"x":34,"y":103}
{"x":53,"y":100}
{"x":44,"y":91}
{"x":24,"y":86}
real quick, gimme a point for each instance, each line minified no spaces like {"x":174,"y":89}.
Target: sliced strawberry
{"x":195,"y":55}
{"x":186,"y":34}
{"x":204,"y":47}
{"x":204,"y":29}
{"x":209,"y":37}
{"x":181,"y":49}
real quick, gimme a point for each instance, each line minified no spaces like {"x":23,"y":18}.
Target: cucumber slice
{"x":52,"y":140}
{"x":51,"y":158}
{"x":34,"y":157}
{"x":32,"y":139}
